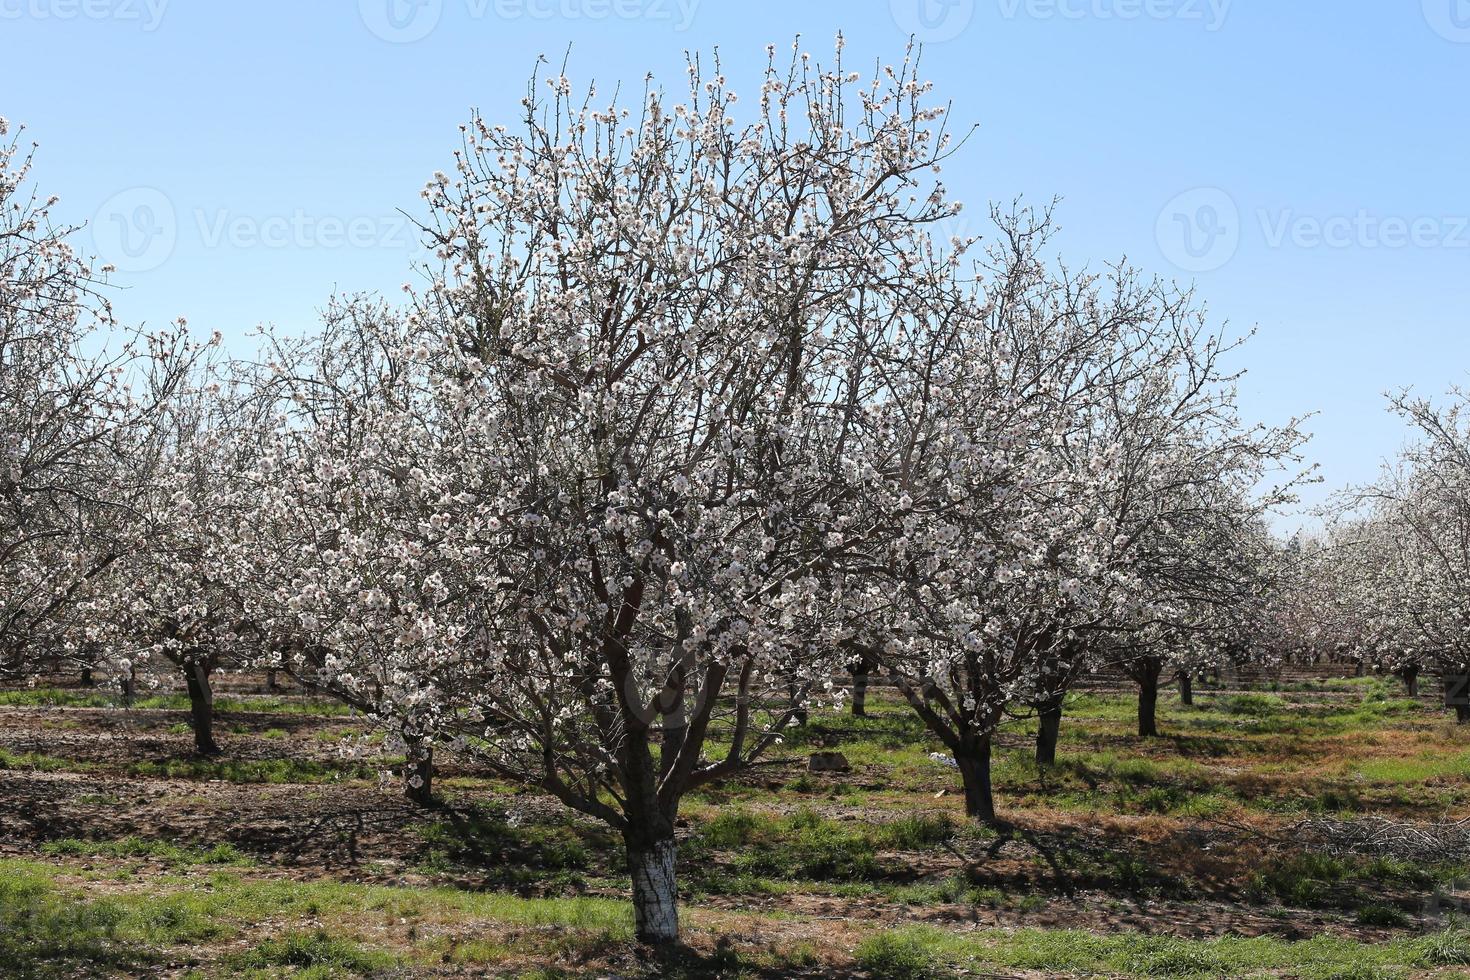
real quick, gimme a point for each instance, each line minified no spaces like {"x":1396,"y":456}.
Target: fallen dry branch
{"x":1381,"y":837}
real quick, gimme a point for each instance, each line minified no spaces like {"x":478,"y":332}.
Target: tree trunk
{"x":652,"y":862}
{"x":1186,"y":688}
{"x":1410,"y":677}
{"x":270,"y":681}
{"x":1362,"y":669}
{"x":1148,"y":704}
{"x":201,"y":709}
{"x":87,"y":680}
{"x":127,"y":688}
{"x":1462,"y":714}
{"x":1046,"y":734}
{"x":860,"y":692}
{"x":973,"y":758}
{"x":418,"y":772}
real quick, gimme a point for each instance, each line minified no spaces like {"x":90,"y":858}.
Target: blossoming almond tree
{"x":1020,"y":491}
{"x":77,"y":412}
{"x":175,"y":603}
{"x":1406,"y":617}
{"x":1208,"y":602}
{"x":591,"y":538}
{"x":1405,"y":550}
{"x":1188,"y":504}
{"x":348,"y":551}
{"x":1337,"y":605}
{"x":993,"y":545}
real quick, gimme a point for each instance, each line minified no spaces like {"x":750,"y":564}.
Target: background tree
{"x":174,"y":604}
{"x":1404,"y":549}
{"x":1023,"y":468}
{"x":76,"y":414}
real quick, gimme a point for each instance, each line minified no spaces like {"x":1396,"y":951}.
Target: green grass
{"x":1312,"y":880}
{"x":959,"y":889}
{"x":226,"y":769}
{"x":1111,"y":782}
{"x":42,"y":697}
{"x":137,"y":847}
{"x":48,"y":929}
{"x":36,"y":762}
{"x":799,"y":846}
{"x":806,"y":846}
{"x":509,"y":852}
{"x":1421,"y":768}
{"x":315,"y":954}
{"x":229,"y":770}
{"x":45,"y":931}
{"x":259,"y":770}
{"x":924,"y":951}
{"x":1311,"y":715}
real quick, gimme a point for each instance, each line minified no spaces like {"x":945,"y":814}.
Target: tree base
{"x":655,"y":893}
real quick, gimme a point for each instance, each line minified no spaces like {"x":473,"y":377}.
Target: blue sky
{"x":1304,"y":162}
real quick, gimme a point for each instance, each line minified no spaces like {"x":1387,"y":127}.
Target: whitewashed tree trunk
{"x":655,"y":893}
